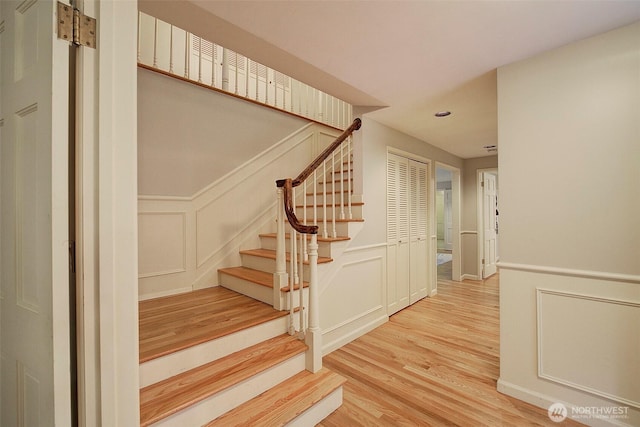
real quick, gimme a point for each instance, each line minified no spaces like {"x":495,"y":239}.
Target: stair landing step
{"x":255,"y":276}
{"x":320,"y":238}
{"x":173,"y":323}
{"x":267,"y":253}
{"x":283,"y":403}
{"x":167,"y":397}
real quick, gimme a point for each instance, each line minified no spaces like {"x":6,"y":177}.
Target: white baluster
{"x":199,"y":59}
{"x":237,"y":66}
{"x":292,"y":280}
{"x":246,"y":81}
{"x":303,"y":239}
{"x":341,"y":182}
{"x":187,"y":55}
{"x":334,"y":232}
{"x":315,"y":197}
{"x":171,"y":49}
{"x":304,"y":212}
{"x":139,"y":32}
{"x":257,"y":80}
{"x":349,"y":167}
{"x":266,"y":85}
{"x":324,"y":200}
{"x":155,"y":44}
{"x":313,"y":337}
{"x":225,"y":69}
{"x":214,"y":54}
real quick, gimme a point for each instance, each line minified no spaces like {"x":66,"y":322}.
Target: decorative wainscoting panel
{"x":354,"y":302}
{"x":162,"y":245}
{"x":584,"y":342}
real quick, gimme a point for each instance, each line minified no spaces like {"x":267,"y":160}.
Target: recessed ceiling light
{"x":442,"y":113}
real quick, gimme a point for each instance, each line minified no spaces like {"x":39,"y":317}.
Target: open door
{"x":35,"y":328}
{"x":489,"y":218}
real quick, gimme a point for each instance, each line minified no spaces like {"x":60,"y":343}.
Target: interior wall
{"x":189,"y":136}
{"x":469,"y":229}
{"x":375,"y":138}
{"x":569,"y":126}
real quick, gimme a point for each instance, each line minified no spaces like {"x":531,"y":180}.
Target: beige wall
{"x":189,"y":136}
{"x":469,"y":228}
{"x":569,"y":133}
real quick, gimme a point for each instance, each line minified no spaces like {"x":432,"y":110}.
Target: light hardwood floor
{"x":434,"y":363}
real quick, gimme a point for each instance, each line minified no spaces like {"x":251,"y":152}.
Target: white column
{"x":280,"y":277}
{"x":313,"y":338}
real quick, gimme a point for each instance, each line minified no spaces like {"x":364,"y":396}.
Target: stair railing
{"x":320,"y":210}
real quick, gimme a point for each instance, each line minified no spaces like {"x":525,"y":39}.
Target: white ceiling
{"x":413,"y":58}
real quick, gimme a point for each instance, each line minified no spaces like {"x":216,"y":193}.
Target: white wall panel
{"x":162,"y":243}
{"x":586,"y":349}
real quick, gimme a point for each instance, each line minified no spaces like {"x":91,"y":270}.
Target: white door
{"x":448,"y":220}
{"x":489,"y":206}
{"x":34,"y":257}
{"x":418,"y":268}
{"x":398,"y":258}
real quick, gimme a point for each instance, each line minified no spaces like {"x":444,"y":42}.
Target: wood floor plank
{"x":435,"y":363}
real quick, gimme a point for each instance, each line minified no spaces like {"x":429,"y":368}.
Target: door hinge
{"x":75,"y":27}
{"x":482,"y":261}
{"x":481,"y":183}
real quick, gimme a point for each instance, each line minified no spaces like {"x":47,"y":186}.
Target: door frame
{"x":480,"y":217}
{"x":106,"y":218}
{"x":456,"y":266}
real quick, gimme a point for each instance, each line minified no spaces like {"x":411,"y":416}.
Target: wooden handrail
{"x":288,"y":184}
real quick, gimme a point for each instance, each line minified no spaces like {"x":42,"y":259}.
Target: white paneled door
{"x":34,"y":311}
{"x":407,"y":232}
{"x":489,"y":218}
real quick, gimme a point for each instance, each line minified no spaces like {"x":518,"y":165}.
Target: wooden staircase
{"x":215,"y":353}
{"x":222,"y":356}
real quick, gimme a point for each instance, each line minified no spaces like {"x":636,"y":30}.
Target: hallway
{"x":434,"y":363}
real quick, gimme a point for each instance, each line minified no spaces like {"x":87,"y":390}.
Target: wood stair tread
{"x":320,"y":238}
{"x":167,"y":397}
{"x":284,"y":402}
{"x":268,"y":253}
{"x":255,"y":276}
{"x":177,"y":322}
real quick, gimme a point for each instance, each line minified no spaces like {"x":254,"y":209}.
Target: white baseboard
{"x":347,"y":338}
{"x":470,"y":277}
{"x":544,"y":401}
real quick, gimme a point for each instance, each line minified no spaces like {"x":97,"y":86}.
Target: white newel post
{"x":280,"y":277}
{"x":313,"y":337}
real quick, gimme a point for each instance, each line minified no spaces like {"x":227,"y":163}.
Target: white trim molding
{"x":589,"y":274}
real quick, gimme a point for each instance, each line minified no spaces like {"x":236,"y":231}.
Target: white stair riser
{"x":245,"y":287}
{"x":259,"y":292}
{"x":319,"y":411}
{"x":269,"y":265}
{"x":324,"y":248}
{"x":172,"y":364}
{"x":218,"y":404}
{"x":356,"y":212}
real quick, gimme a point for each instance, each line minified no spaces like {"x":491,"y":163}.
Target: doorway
{"x":488,"y":222}
{"x":447,"y":227}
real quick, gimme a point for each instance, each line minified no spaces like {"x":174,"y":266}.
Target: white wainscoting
{"x":581,"y":344}
{"x":570,"y":336}
{"x":353,"y":299}
{"x":183,"y":241}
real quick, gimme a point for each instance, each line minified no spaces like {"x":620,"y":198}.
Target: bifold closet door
{"x":407,"y":226}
